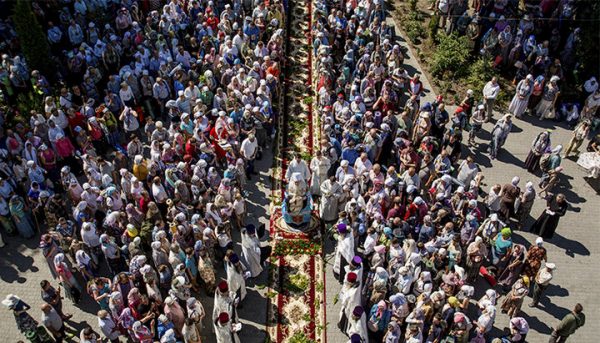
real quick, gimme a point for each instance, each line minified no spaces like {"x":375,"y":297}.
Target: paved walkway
{"x":573,"y":249}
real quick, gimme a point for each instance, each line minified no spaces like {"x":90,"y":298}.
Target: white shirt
{"x":90,"y":238}
{"x":248,"y":148}
{"x":491,"y":91}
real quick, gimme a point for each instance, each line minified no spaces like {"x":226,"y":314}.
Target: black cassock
{"x":546,"y":224}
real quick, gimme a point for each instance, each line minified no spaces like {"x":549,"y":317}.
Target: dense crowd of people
{"x":404,"y":198}
{"x":135,"y":169}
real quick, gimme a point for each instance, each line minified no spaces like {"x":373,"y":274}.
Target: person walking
{"x":568,"y":325}
{"x":542,"y":280}
{"x":538,"y":148}
{"x":581,"y":131}
{"x":499,"y":134}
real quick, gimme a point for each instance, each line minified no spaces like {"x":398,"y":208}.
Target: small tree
{"x":32,"y":38}
{"x":451,"y":56}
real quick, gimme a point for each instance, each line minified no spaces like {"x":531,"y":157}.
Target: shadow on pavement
{"x":571,"y":247}
{"x":13,"y":262}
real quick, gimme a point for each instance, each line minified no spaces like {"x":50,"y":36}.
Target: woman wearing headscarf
{"x":476,"y":253}
{"x":67,"y":279}
{"x":379,"y":318}
{"x":195,"y":312}
{"x":511,"y":305}
{"x":518,"y":105}
{"x":21,"y":217}
{"x":499,"y":134}
{"x":116,"y":304}
{"x":546,"y":224}
{"x":514,"y":267}
{"x":535,"y":255}
{"x":536,"y":94}
{"x":538,"y":148}
{"x":19,"y":308}
{"x":546,"y":107}
{"x":85,"y":265}
{"x":142,"y":333}
{"x":501,"y":248}
{"x":486,"y":320}
{"x":525,"y":201}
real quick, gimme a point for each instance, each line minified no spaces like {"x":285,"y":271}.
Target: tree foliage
{"x":450,"y":56}
{"x":32,"y":38}
{"x":587,"y":49}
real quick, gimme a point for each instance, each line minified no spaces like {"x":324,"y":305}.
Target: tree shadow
{"x":16,"y":259}
{"x":571,"y":247}
{"x":544,"y":124}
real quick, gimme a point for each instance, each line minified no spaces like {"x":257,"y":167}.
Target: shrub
{"x":480,"y":72}
{"x":450,"y":56}
{"x":32,"y":38}
{"x":414,"y":30}
{"x":412,"y":5}
{"x":433,"y":27}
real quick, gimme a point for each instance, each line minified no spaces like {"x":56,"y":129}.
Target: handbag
{"x":373,"y":325}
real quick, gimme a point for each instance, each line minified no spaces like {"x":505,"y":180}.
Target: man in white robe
{"x":225,"y":330}
{"x":349,"y":297}
{"x":331,"y":191}
{"x":357,"y":323}
{"x":236,"y":275}
{"x":344,"y":251}
{"x":297,"y":165}
{"x":225,"y":301}
{"x":251,"y":250}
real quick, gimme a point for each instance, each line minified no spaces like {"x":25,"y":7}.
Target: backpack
{"x":545,"y":161}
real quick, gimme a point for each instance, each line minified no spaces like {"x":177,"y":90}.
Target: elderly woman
{"x":67,"y":279}
{"x":499,"y":134}
{"x":21,"y":218}
{"x":525,"y":202}
{"x":501,"y":248}
{"x":546,"y":107}
{"x":518,"y":105}
{"x":514,"y":267}
{"x":476,"y":253}
{"x":535,"y":255}
{"x":538,"y":148}
{"x":511,"y":305}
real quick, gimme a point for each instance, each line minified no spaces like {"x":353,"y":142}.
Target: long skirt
{"x":532,"y":162}
{"x":25,"y":227}
{"x":518,"y":106}
{"x":544,"y":108}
